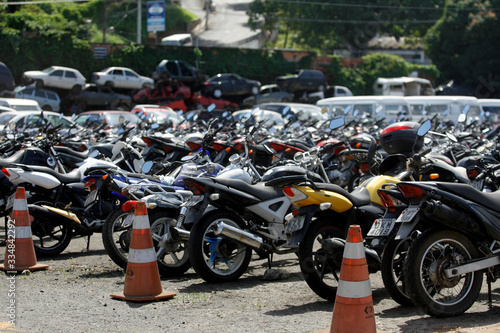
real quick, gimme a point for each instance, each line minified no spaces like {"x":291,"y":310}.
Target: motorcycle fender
{"x":405,"y":229}
{"x":64,"y":213}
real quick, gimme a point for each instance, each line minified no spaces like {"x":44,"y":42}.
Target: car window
{"x":114,"y":118}
{"x":118,"y":72}
{"x":54,"y":120}
{"x":27,"y":91}
{"x":52,"y":96}
{"x":172,"y":68}
{"x":70,"y":74}
{"x":186,"y":70}
{"x":5,"y":117}
{"x":130,"y":74}
{"x":40,"y":93}
{"x":58,"y":73}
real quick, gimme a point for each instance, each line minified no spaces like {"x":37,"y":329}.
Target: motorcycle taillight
{"x":472,"y":173}
{"x":89,"y":183}
{"x":293,"y":194}
{"x":6,"y":172}
{"x":412,"y":191}
{"x":194,"y":187}
{"x":389,"y":201}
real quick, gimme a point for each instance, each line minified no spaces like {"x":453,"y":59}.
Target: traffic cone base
{"x":20,"y":251}
{"x":142,"y":278}
{"x":353,"y":310}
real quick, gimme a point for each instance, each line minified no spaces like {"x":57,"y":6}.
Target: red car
{"x":163,"y":91}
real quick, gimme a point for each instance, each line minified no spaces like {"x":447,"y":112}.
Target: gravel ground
{"x":73,"y":295}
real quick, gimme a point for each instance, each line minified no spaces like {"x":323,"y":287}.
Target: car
{"x":304,"y":80}
{"x":110,"y":119}
{"x":48,"y":100}
{"x":99,"y":97}
{"x":181,"y":71}
{"x":157,"y":114}
{"x":303,"y":111}
{"x":268,"y":93}
{"x":163,"y":90}
{"x":230,"y":84}
{"x":20,"y":104}
{"x":7,"y":82}
{"x":121,"y":78}
{"x":178,"y":40}
{"x":56,"y":77}
{"x":31,"y":121}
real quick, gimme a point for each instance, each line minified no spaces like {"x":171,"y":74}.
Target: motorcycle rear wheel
{"x":321,"y":274}
{"x":214,"y":258}
{"x":428,"y":257}
{"x":49,"y":238}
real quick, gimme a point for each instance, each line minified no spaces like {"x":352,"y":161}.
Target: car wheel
{"x":39,"y":84}
{"x":217,"y":93}
{"x":109,"y":84}
{"x":76,"y":90}
{"x":255,"y":90}
{"x":46,"y":108}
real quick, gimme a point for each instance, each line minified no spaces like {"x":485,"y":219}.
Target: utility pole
{"x":139,"y":21}
{"x":105,"y":25}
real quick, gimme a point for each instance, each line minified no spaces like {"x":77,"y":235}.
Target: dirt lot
{"x":73,"y":295}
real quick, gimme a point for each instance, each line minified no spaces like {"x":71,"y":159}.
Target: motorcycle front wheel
{"x":215,"y":258}
{"x":172,"y":257}
{"x":320,"y":272}
{"x":428,"y":257}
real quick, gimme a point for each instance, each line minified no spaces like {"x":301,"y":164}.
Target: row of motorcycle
{"x":224,"y":191}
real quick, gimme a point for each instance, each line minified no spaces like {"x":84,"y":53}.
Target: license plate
{"x":382,"y":227}
{"x":10,"y":201}
{"x":408,"y":214}
{"x":296,"y":223}
{"x":91,"y":197}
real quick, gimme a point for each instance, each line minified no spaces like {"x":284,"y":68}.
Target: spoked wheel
{"x":214,"y":258}
{"x":50,"y":237}
{"x":116,"y":233}
{"x":424,"y":272}
{"x":319,"y":270}
{"x":171,"y":253}
{"x":392,"y":270}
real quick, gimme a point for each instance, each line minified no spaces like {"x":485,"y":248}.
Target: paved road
{"x":227,"y":26}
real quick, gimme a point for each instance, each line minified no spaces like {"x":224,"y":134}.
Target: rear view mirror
{"x":424,"y":128}
{"x":336,"y":123}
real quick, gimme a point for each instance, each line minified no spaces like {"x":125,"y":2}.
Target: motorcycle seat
{"x":62,"y":149}
{"x":489,"y":199}
{"x":74,"y":176}
{"x":359,"y":197}
{"x":259,"y":190}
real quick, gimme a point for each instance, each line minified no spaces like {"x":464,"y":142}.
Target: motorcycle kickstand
{"x":88,"y":243}
{"x":269,"y":260}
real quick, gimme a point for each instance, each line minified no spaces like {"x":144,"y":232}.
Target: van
{"x":21,"y":104}
{"x":403,"y":86}
{"x":491,"y":109}
{"x":392,"y":108}
{"x":178,"y":40}
{"x":446,"y":107}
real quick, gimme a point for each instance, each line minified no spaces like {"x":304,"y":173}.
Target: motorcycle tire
{"x":117,"y":230}
{"x":49,"y":238}
{"x":392,"y":270}
{"x":320,"y":273}
{"x":430,"y":254}
{"x":214,"y":258}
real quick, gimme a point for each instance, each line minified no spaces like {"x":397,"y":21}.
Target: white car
{"x":57,"y":77}
{"x":121,"y":78}
{"x":48,"y":100}
{"x":20,"y":104}
{"x":31,"y":121}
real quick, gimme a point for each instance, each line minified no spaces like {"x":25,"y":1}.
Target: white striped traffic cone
{"x":19,"y":251}
{"x":142,"y":279}
{"x":353,"y":310}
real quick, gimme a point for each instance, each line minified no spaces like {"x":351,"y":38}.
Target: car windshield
{"x":113,"y":119}
{"x":48,"y":69}
{"x":5,"y":117}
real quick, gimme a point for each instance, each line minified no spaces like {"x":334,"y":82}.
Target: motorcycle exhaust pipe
{"x":452,"y":217}
{"x":240,"y":236}
{"x":179,"y":235}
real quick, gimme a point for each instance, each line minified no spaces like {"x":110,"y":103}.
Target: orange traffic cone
{"x":142,"y":278}
{"x":353,"y":310}
{"x":19,"y":251}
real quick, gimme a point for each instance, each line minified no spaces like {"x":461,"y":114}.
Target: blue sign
{"x":156,"y":16}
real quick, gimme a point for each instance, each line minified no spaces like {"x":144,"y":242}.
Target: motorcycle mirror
{"x":146,"y":167}
{"x":211,"y":107}
{"x":94,"y":153}
{"x":462,"y":118}
{"x":379,"y":109}
{"x":286,"y":109}
{"x":451,"y":137}
{"x":121,"y":119}
{"x":12,"y":125}
{"x":60,"y":116}
{"x":155,"y":126}
{"x":336,"y":123}
{"x":466,"y":109}
{"x":73,"y":116}
{"x":347,"y":109}
{"x":355,"y":113}
{"x":424,"y":128}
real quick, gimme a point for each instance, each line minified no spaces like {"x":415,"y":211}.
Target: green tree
{"x":325,"y":24}
{"x":464,"y":45}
